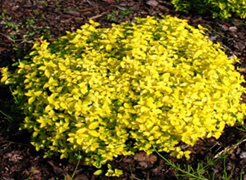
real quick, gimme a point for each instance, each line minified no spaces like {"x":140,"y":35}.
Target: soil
{"x":31,"y":19}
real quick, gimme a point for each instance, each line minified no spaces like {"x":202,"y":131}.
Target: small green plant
{"x":7,"y":121}
{"x":112,"y":16}
{"x":212,"y":31}
{"x":3,"y":13}
{"x":67,"y":9}
{"x":32,"y":173}
{"x":15,"y":27}
{"x":203,"y":169}
{"x":30,"y":22}
{"x":118,"y":15}
{"x":188,"y":171}
{"x":36,"y":12}
{"x":200,"y":173}
{"x":141,"y":86}
{"x":10,"y":119}
{"x":79,"y":158}
{"x":126,"y":12}
{"x":44,"y":3}
{"x":7,"y":117}
{"x":130,"y":167}
{"x":57,"y":4}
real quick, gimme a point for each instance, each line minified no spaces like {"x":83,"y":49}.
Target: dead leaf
{"x":73,"y":13}
{"x":152,"y":158}
{"x":109,"y":1}
{"x":81,"y":177}
{"x":243,"y":155}
{"x":233,"y":29}
{"x":14,"y":156}
{"x":142,"y":156}
{"x":143,"y":164}
{"x":224,"y":27}
{"x":128,"y":160}
{"x":152,"y":3}
{"x":240,"y":45}
{"x":56,"y":169}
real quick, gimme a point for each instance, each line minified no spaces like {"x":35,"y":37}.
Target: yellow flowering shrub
{"x":139,"y":86}
{"x":218,"y":8}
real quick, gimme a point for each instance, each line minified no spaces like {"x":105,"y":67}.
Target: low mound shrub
{"x":143,"y":86}
{"x":218,"y":8}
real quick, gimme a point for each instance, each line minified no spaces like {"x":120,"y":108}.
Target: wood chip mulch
{"x":51,"y":18}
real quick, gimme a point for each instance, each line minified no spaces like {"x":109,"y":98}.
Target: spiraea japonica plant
{"x":140,"y":86}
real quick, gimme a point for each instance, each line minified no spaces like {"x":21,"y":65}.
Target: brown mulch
{"x":51,"y":19}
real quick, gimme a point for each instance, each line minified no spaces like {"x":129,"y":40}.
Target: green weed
{"x":118,"y":14}
{"x":79,"y":158}
{"x":201,"y":172}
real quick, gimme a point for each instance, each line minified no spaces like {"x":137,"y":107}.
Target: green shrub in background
{"x":218,"y":8}
{"x":105,"y":92}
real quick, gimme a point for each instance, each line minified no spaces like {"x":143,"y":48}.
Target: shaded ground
{"x":23,"y":21}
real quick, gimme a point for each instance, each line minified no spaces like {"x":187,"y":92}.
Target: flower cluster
{"x":133,"y":87}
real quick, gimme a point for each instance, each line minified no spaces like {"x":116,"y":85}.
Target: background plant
{"x":221,"y":9}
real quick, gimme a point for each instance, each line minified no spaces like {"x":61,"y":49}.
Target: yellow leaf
{"x":93,"y":125}
{"x":63,"y":105}
{"x":198,"y":103}
{"x":4,"y":78}
{"x":31,"y":100}
{"x":108,"y":47}
{"x":79,"y":141}
{"x":126,"y":105}
{"x":38,"y":93}
{"x":29,"y":93}
{"x":42,"y":68}
{"x":35,"y":134}
{"x":62,"y":67}
{"x":146,"y":133}
{"x":71,"y":140}
{"x":144,"y":109}
{"x":48,"y":108}
{"x":47,"y":73}
{"x":83,"y":88}
{"x":94,"y":133}
{"x":81,"y":131}
{"x":197,"y":54}
{"x":98,"y":172}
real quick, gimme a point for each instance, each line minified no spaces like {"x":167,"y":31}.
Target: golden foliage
{"x":136,"y":86}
